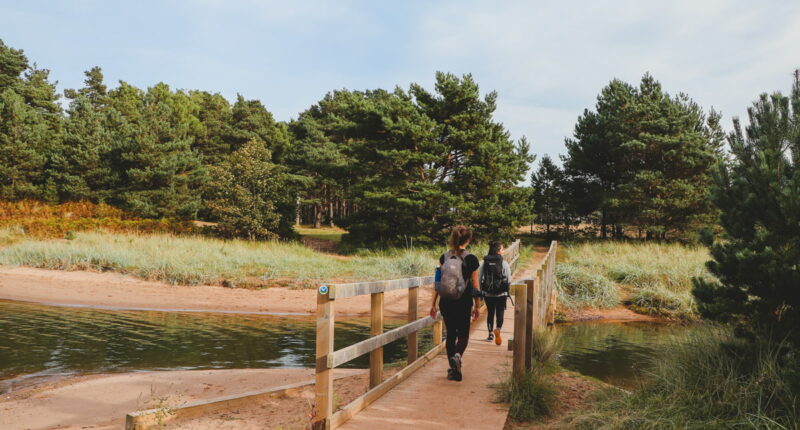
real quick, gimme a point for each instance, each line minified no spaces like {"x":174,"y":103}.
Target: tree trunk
{"x":317,"y":215}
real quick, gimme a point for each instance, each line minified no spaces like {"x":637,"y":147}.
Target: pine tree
{"x":547,"y":183}
{"x":24,"y":139}
{"x":251,"y":120}
{"x":161,"y":173}
{"x":646,"y":157}
{"x":758,"y":194}
{"x":84,"y":165}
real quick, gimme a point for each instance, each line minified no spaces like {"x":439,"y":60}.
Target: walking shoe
{"x":497,"y":339}
{"x":450,"y":374}
{"x":457,"y":363}
{"x":490,"y":338}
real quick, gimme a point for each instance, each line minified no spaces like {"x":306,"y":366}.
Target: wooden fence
{"x":327,"y":358}
{"x":536,"y":300}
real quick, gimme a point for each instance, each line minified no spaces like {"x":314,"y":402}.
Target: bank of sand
{"x":117,"y":291}
{"x":100,"y":402}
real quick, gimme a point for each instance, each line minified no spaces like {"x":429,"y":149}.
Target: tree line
{"x":390,"y":166}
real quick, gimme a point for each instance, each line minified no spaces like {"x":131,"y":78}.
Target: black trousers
{"x":456,"y":315}
{"x":497,"y":308}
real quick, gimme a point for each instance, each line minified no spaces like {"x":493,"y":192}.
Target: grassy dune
{"x":649,"y":277}
{"x":202,"y":260}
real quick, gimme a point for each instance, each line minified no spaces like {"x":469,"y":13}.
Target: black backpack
{"x":493,"y":282}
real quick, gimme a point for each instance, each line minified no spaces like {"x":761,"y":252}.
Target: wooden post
{"x":551,"y":308}
{"x":520,"y":319}
{"x":437,"y":333}
{"x":537,"y":299}
{"x":412,"y":344}
{"x":530,"y":305}
{"x":376,"y":327}
{"x":324,"y":375}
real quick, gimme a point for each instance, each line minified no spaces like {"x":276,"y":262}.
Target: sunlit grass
{"x":651,"y":277}
{"x":202,"y":260}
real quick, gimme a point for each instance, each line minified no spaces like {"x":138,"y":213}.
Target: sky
{"x":547,"y":60}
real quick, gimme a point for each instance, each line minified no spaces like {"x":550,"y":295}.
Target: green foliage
{"x":424,"y":161}
{"x":707,"y":381}
{"x":758,"y":194}
{"x":643,"y":158}
{"x":246,"y":192}
{"x":549,"y":193}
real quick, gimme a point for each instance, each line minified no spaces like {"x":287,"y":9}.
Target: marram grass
{"x":653,"y":278}
{"x":200,"y":260}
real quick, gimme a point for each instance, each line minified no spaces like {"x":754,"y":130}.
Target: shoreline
{"x":114,"y":291}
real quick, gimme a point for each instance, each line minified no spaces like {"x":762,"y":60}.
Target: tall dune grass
{"x":709,"y":380}
{"x":653,"y":278}
{"x":200,"y":260}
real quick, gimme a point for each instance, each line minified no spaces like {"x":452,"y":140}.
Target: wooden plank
{"x":531,"y":306}
{"x":358,"y":349}
{"x":520,"y":294}
{"x":376,"y":328}
{"x":324,"y":376}
{"x":412,"y":344}
{"x":551,"y":308}
{"x":370,"y":396}
{"x":341,"y":291}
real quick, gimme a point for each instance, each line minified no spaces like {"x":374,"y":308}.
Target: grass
{"x":710,"y":380}
{"x":202,"y":260}
{"x":534,"y":395}
{"x":333,"y":234}
{"x":654,"y":278}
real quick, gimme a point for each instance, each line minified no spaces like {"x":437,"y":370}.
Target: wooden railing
{"x":327,"y":358}
{"x":536,"y":301}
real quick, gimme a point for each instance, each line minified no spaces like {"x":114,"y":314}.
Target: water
{"x":616,"y":353}
{"x":48,"y":340}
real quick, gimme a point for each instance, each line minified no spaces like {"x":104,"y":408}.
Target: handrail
{"x":536,"y":301}
{"x":327,"y":358}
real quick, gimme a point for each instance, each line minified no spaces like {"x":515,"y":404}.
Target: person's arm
{"x":476,"y":311}
{"x":433,"y":304}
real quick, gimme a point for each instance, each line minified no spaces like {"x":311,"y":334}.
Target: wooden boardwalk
{"x":427,"y":400}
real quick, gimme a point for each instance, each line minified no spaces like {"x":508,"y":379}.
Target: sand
{"x":102,"y":401}
{"x":116,"y":291}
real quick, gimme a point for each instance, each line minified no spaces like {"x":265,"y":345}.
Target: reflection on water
{"x":47,"y":340}
{"x":616,"y":353}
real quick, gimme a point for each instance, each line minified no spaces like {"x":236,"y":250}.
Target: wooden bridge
{"x":419,"y":396}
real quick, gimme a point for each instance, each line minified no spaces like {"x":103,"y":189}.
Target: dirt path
{"x":101,"y":401}
{"x":115,"y":291}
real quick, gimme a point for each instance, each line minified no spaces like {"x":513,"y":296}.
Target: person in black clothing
{"x":457,"y":313}
{"x":495,"y":300}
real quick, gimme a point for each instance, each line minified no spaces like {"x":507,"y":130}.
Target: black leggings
{"x":456,"y":315}
{"x":496,"y":306}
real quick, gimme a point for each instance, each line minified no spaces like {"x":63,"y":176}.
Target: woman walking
{"x":456,"y":291}
{"x":495,"y":276}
